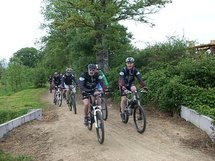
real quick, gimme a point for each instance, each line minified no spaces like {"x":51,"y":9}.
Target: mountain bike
{"x":95,"y":116}
{"x":72,"y":99}
{"x":133,"y":107}
{"x":58,"y":96}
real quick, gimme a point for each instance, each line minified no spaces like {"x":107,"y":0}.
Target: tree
{"x":99,"y":17}
{"x":26,"y":56}
{"x":3,"y":65}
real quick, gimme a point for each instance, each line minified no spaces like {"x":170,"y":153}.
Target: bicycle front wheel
{"x":100,"y":127}
{"x":90,"y":121}
{"x":59,"y":99}
{"x":73,"y":104}
{"x":139,"y":119}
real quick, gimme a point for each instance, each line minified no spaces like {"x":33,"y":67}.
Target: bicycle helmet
{"x":69,"y":70}
{"x":91,"y":66}
{"x":129,"y":60}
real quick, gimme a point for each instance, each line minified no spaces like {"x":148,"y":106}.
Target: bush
{"x":6,"y":114}
{"x":200,"y":72}
{"x":155,"y":80}
{"x":39,"y":77}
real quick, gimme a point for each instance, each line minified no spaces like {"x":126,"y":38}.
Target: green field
{"x":19,"y":103}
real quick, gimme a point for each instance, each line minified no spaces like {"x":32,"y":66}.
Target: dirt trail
{"x":61,"y":136}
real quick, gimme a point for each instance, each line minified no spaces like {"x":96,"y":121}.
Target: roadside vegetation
{"x":8,"y":157}
{"x":20,"y":103}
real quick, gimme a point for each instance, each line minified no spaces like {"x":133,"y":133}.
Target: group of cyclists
{"x":93,"y":81}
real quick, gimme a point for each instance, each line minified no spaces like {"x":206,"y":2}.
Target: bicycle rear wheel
{"x":104,"y":109}
{"x":100,"y":127}
{"x":139,"y":118}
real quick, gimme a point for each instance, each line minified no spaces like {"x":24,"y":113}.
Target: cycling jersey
{"x":68,"y":79}
{"x":56,"y":80}
{"x":88,"y":83}
{"x":50,"y":79}
{"x":126,"y":77}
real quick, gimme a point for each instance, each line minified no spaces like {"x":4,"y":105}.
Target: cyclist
{"x":87,"y":82}
{"x":103,"y":86}
{"x":126,"y":79}
{"x":56,"y":81}
{"x":68,"y":79}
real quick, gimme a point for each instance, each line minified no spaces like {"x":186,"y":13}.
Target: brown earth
{"x":61,"y":136}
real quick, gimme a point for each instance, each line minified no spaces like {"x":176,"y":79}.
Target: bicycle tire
{"x":90,"y":122}
{"x":74,"y":104}
{"x":139,"y":119}
{"x":70,"y":103}
{"x":104,"y":109}
{"x":59,"y":99}
{"x":100,"y":128}
{"x":126,"y":117}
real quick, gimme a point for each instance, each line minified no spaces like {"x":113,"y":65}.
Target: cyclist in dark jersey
{"x":87,"y":83}
{"x":56,"y":81}
{"x":68,"y":79}
{"x":126,"y":79}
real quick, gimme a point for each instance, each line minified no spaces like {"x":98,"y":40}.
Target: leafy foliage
{"x":19,"y":103}
{"x":26,"y":56}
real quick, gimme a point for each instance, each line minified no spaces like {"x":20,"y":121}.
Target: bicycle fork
{"x":96,"y":109}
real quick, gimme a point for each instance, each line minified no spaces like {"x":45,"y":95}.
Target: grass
{"x":7,"y":157}
{"x":15,"y":105}
{"x":19,"y":103}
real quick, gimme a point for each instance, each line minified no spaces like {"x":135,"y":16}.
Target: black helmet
{"x":91,"y":66}
{"x":129,"y":60}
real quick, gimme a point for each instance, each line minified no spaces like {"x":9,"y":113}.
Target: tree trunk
{"x":102,"y":54}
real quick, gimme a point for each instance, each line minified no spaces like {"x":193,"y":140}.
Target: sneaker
{"x":86,"y":121}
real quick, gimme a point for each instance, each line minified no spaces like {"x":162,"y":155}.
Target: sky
{"x":191,"y":19}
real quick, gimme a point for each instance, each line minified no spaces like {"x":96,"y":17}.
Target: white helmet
{"x":129,"y":60}
{"x":69,"y":70}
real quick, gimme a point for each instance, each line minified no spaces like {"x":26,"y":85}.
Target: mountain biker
{"x":56,"y":81}
{"x":87,"y":82}
{"x":68,"y":79}
{"x":126,"y":79}
{"x":104,"y":84}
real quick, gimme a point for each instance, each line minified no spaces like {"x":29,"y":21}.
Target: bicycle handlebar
{"x":141,"y":91}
